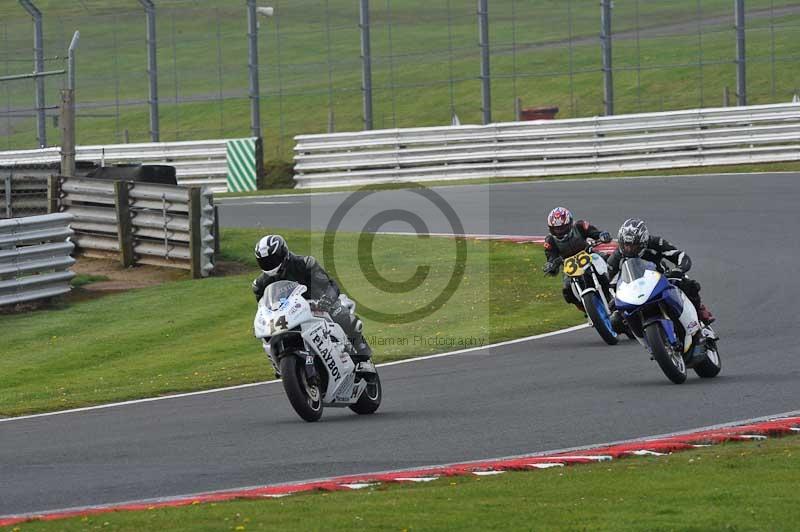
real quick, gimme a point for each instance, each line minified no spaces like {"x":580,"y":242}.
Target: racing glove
{"x":605,"y":236}
{"x":325,"y":302}
{"x":676,"y":273}
{"x":551,"y":267}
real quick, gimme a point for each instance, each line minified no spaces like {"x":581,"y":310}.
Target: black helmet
{"x":633,"y":237}
{"x":271,"y":253}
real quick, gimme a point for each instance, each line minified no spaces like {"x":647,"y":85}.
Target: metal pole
{"x":68,"y":113}
{"x":605,"y":46}
{"x":483,"y":42}
{"x":152,"y":68}
{"x":255,"y":100}
{"x":741,"y":80}
{"x":366,"y":62}
{"x":38,"y":66}
{"x":71,"y":60}
{"x":68,"y":132}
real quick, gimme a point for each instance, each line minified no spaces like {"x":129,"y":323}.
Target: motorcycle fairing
{"x":328,"y":341}
{"x":645,"y":289}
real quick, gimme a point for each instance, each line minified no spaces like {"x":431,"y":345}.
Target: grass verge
{"x":734,"y":486}
{"x":695,"y":170}
{"x":192,"y":335}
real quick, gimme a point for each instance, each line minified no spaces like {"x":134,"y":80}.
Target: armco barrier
{"x":202,"y":163}
{"x":22,"y":195}
{"x":35,"y":256}
{"x":702,"y":137}
{"x":142,"y":223}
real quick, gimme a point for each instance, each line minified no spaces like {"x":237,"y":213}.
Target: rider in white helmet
{"x":279,"y":264}
{"x":567,"y":238}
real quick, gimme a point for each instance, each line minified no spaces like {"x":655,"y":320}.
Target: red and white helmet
{"x":559,"y":221}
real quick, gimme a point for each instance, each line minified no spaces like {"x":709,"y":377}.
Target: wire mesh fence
{"x":425,"y":59}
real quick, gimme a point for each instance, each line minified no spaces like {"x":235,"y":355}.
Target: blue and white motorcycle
{"x":664,"y":321}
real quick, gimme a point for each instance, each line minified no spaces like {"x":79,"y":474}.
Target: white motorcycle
{"x":585,"y":270}
{"x":311,"y":353}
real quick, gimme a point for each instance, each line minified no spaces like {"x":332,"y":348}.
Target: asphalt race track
{"x":550,"y":393}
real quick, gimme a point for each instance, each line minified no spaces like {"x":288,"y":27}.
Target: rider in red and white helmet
{"x":567,"y":237}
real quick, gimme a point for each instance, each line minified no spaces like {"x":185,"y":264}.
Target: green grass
{"x":191,"y":335}
{"x":84,"y":279}
{"x":411,"y":89}
{"x":732,"y":487}
{"x":743,"y":168}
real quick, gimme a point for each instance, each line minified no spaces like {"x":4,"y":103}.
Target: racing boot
{"x":618,"y":322}
{"x":700,"y":349}
{"x":705,"y":315}
{"x":363,"y":350}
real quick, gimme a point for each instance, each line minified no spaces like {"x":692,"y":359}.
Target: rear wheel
{"x":669,"y":359}
{"x":305,"y":398}
{"x":712,"y":364}
{"x":370,"y":399}
{"x":594,"y":307}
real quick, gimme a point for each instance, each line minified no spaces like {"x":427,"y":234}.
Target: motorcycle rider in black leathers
{"x":635,"y":241}
{"x":567,"y":238}
{"x":279,"y":264}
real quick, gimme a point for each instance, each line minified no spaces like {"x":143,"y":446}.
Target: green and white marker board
{"x":242,"y":165}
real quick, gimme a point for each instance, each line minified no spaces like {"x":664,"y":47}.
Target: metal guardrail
{"x":35,"y":258}
{"x":142,"y":223}
{"x":22,"y":195}
{"x":201,"y":163}
{"x":703,"y":137}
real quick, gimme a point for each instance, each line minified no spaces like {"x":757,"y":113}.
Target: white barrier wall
{"x":701,"y":137}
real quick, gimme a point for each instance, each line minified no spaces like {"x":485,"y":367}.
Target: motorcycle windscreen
{"x":277,"y":292}
{"x":635,"y":268}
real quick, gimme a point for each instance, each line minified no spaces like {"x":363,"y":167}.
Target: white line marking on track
{"x":253,"y":384}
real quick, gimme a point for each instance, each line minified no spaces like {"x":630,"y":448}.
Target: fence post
{"x":124,"y":225}
{"x":741,"y":54}
{"x":195,"y":231}
{"x":38,"y":67}
{"x":68,"y":132}
{"x":152,"y":67}
{"x":366,"y":64}
{"x":53,"y":193}
{"x":9,"y":210}
{"x":605,"y":47}
{"x":483,"y":41}
{"x":255,"y":95}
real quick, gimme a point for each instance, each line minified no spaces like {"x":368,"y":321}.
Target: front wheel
{"x":370,"y":398}
{"x":711,"y":364}
{"x":594,"y":307}
{"x":669,"y":359}
{"x":305,"y":398}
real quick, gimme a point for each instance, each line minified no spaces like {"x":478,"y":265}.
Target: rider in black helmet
{"x":635,"y":241}
{"x":279,"y":264}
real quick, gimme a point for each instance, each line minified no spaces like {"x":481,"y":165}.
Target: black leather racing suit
{"x":575,"y":242}
{"x":306,"y":270}
{"x":659,"y":249}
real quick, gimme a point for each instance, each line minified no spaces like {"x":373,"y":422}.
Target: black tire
{"x":662,"y":353}
{"x":601,"y":325}
{"x":294,"y":379}
{"x":709,"y":368}
{"x":370,"y":400}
